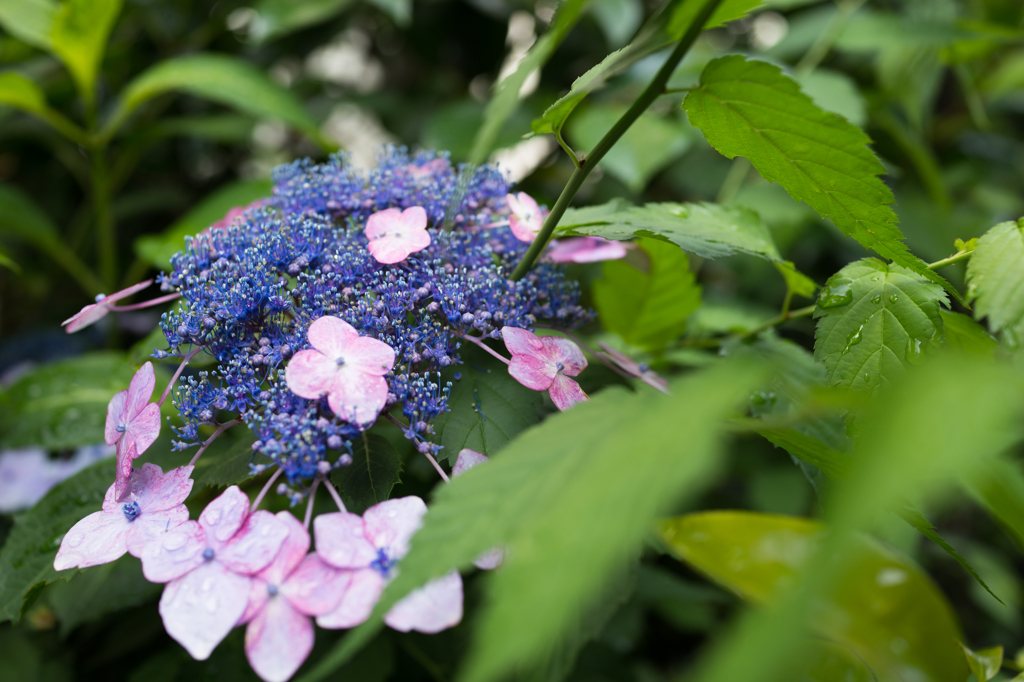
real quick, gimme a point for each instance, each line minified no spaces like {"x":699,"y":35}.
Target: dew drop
{"x":76,"y":539}
{"x":876,"y":299}
{"x":837,"y":293}
{"x":212,"y":517}
{"x":392,"y":514}
{"x":914,"y":348}
{"x":174,"y":541}
{"x":854,"y":338}
{"x":893,"y":298}
{"x":211,"y":604}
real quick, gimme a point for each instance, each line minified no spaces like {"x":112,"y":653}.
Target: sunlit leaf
{"x":79,"y":35}
{"x":376,"y":468}
{"x":985,"y":663}
{"x":29,"y":20}
{"x":995,"y":279}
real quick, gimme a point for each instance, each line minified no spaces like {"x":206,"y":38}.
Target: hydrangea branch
{"x":266,"y":488}
{"x":216,"y":434}
{"x":167,"y":391}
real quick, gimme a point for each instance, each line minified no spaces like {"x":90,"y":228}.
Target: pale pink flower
{"x":208,"y":565}
{"x":585,"y":250}
{"x":154,"y":505}
{"x":94,"y":312}
{"x":466,"y":460}
{"x":367,"y":549}
{"x":545,"y":363}
{"x":526,"y":218}
{"x":293,"y":587}
{"x":347,"y":367}
{"x":394,"y":234}
{"x":633,"y":368}
{"x":133,"y":424}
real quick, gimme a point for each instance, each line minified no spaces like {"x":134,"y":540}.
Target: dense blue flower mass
{"x":250,"y":292}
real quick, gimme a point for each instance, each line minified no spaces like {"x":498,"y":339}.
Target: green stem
{"x":827,"y":38}
{"x":776,"y":321}
{"x":106,"y":240}
{"x":955,"y":258}
{"x":654,"y":90}
{"x":567,"y":148}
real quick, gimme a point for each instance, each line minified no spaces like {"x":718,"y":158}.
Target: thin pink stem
{"x":174,"y":379}
{"x":216,"y":434}
{"x":337,"y":498}
{"x":309,"y":506}
{"x":144,"y":304}
{"x":266,"y":489}
{"x":433,"y":461}
{"x":486,"y":348}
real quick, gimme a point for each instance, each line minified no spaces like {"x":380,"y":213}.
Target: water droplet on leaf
{"x":876,"y":299}
{"x":914,"y":349}
{"x":854,"y":338}
{"x":838,"y":292}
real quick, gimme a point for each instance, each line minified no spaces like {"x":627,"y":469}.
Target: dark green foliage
{"x":376,"y":468}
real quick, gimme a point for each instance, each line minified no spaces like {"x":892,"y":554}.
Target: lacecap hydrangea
{"x":250,"y":290}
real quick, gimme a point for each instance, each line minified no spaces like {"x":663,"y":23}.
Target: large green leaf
{"x":226,"y":461}
{"x":833,"y":463}
{"x":79,"y":37}
{"x":880,"y":598}
{"x":572,"y":500}
{"x":648,"y":308}
{"x":158,"y":249}
{"x":219,"y":78}
{"x":376,"y":468}
{"x":708,"y":230}
{"x":29,"y":20}
{"x":966,"y":335}
{"x":100,"y":590}
{"x":26,"y":559}
{"x":874,"y":319}
{"x":63,"y":404}
{"x":751,"y":109}
{"x":488,"y":408}
{"x":995,"y":279}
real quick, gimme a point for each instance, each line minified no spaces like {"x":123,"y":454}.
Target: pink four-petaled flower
{"x":545,"y":364}
{"x":154,"y":505}
{"x":367,"y":549}
{"x":585,"y":250}
{"x":347,"y":367}
{"x":208,"y":565}
{"x":94,"y":312}
{"x":526,"y":218}
{"x":634,"y":368}
{"x":394,"y":234}
{"x":133,"y":423}
{"x":293,"y":587}
{"x":466,"y":460}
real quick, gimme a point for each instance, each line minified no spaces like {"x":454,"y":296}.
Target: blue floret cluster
{"x":251,"y":290}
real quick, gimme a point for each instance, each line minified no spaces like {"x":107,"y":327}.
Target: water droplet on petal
{"x":212,"y":517}
{"x":76,"y":539}
{"x":211,"y":604}
{"x":392,"y":514}
{"x":174,"y":541}
{"x":837,"y":293}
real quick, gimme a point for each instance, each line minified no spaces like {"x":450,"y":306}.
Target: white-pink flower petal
{"x":394,"y":234}
{"x":429,"y":609}
{"x":341,"y":540}
{"x":278,"y":640}
{"x":360,"y":596}
{"x":390,"y":524}
{"x":200,"y":608}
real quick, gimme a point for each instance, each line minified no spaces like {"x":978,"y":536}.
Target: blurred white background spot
{"x":358,"y":131}
{"x":768,"y":30}
{"x":521,"y":159}
{"x":347,"y":61}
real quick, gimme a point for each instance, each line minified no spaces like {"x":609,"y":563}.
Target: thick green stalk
{"x":655,"y":89}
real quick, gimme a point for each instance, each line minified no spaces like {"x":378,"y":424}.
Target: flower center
{"x":131,"y":510}
{"x":208,"y":554}
{"x":272,"y":590}
{"x":120,"y":428}
{"x":559,"y":367}
{"x":383,"y":563}
{"x":340,"y":362}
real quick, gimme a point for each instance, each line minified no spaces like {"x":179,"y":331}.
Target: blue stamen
{"x":131,"y":510}
{"x":382,"y":564}
{"x":208,"y":554}
{"x":120,"y":428}
{"x":272,"y":590}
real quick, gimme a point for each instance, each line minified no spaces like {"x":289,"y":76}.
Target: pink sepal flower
{"x":634,"y":368}
{"x":154,"y":505}
{"x":133,"y":424}
{"x":585,"y":250}
{"x":208,"y":567}
{"x":282,"y":597}
{"x":347,"y":367}
{"x":394,"y":234}
{"x":545,"y":364}
{"x":526,"y":218}
{"x":94,"y":312}
{"x":367,"y":550}
{"x":466,"y":460}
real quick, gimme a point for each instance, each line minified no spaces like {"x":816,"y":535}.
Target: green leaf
{"x":79,"y":37}
{"x":874,"y":319}
{"x":158,"y":249}
{"x":648,"y":309}
{"x":100,"y":590}
{"x":29,"y":20}
{"x":966,"y":335}
{"x":376,"y":468}
{"x":880,"y":597}
{"x":650,"y":144}
{"x":836,"y":92}
{"x":999,"y":487}
{"x":985,"y":663}
{"x":797,"y":283}
{"x":219,"y":78}
{"x":833,"y":463}
{"x":9,"y":263}
{"x":995,"y":278}
{"x":618,"y":19}
{"x":21,"y":93}
{"x":226,"y":462}
{"x":750,"y":109}
{"x":63,"y":404}
{"x":488,"y":408}
{"x":276,"y":18}
{"x":27,"y":557}
{"x":708,"y":230}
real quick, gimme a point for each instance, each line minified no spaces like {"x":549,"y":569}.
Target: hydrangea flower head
{"x":367,"y":549}
{"x":345,"y":366}
{"x":133,"y":424}
{"x":634,"y":368}
{"x":208,"y":565}
{"x":526,"y":218}
{"x":154,"y":504}
{"x":94,"y":312}
{"x":394,"y":234}
{"x":585,"y":250}
{"x":545,"y":364}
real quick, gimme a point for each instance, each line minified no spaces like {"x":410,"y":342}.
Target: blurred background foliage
{"x":195,"y":102}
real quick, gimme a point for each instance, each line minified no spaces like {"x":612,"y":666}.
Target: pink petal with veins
{"x":655,"y":381}
{"x":466,"y":460}
{"x":123,"y":468}
{"x":558,"y":349}
{"x":390,"y":524}
{"x":430,"y":609}
{"x":200,"y":608}
{"x":371,"y":356}
{"x":115,"y":416}
{"x":145,"y":427}
{"x":158,"y":491}
{"x":140,"y":390}
{"x":341,"y":540}
{"x":259,"y":595}
{"x":310,"y":374}
{"x":173,"y":553}
{"x":394,"y":234}
{"x":332,"y":336}
{"x":360,"y":596}
{"x":315,"y":587}
{"x":526,"y":218}
{"x":532,"y":372}
{"x":255,"y":544}
{"x":521,"y":341}
{"x":125,"y":293}
{"x":224,"y":516}
{"x":97,"y":539}
{"x":358,"y":397}
{"x":565,"y":392}
{"x":293,"y":549}
{"x":278,"y":640}
{"x":586,"y":250}
{"x":94,"y":312}
{"x":152,"y":526}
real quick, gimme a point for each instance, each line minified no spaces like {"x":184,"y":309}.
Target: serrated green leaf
{"x":874,"y":319}
{"x":966,"y":335}
{"x":226,"y":461}
{"x":985,"y":663}
{"x":98,"y":591}
{"x":708,"y":230}
{"x":995,"y":278}
{"x":376,"y":468}
{"x":750,"y":109}
{"x":832,"y":463}
{"x":488,"y":408}
{"x":27,"y":557}
{"x":797,"y":283}
{"x":79,"y":35}
{"x":63,"y":404}
{"x":276,"y":18}
{"x":158,"y":249}
{"x":29,"y":20}
{"x":648,"y":309}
